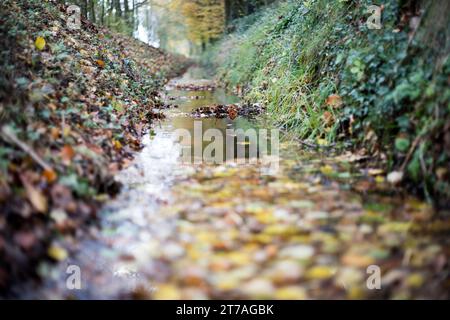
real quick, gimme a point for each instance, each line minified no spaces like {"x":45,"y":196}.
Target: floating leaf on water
{"x":395,"y":226}
{"x":301,"y":204}
{"x":372,"y":217}
{"x":317,"y":215}
{"x":415,"y":280}
{"x":356,"y":260}
{"x":291,"y":293}
{"x":167,"y":292}
{"x":355,"y":293}
{"x":300,"y":252}
{"x":319,"y":273}
{"x":258,"y":289}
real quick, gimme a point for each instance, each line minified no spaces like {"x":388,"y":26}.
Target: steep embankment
{"x":324,"y":74}
{"x":73,"y":106}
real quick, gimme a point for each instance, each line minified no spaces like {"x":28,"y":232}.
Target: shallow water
{"x":311,"y":230}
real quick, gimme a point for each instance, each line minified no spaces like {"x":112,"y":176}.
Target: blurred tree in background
{"x":205,"y":20}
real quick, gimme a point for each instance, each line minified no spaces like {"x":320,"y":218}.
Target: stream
{"x":313,"y":229}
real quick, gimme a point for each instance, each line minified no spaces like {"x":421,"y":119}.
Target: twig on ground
{"x":9,"y":136}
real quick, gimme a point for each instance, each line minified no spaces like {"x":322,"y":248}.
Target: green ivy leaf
{"x":402,"y":144}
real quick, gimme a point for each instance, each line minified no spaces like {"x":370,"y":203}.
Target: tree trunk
{"x":92,"y":10}
{"x":84,"y":8}
{"x":228,"y":12}
{"x":102,"y":17}
{"x":118,"y":8}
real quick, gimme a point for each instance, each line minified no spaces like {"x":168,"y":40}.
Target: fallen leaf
{"x":375,"y":172}
{"x":35,"y":196}
{"x":232,"y":113}
{"x":334,"y":101}
{"x":50,"y":175}
{"x":319,"y":273}
{"x":88,"y":70}
{"x":379,"y":179}
{"x":40,"y":43}
{"x":167,"y":292}
{"x":67,"y":154}
{"x":55,"y":132}
{"x":290,"y":293}
{"x":58,"y":253}
{"x":327,"y":170}
{"x":117,"y":144}
{"x":415,"y":280}
{"x":66,"y":131}
{"x":328,"y":118}
{"x":100,"y":63}
{"x":356,"y":260}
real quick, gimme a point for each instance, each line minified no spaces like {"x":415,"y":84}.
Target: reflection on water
{"x":210,"y":140}
{"x":132,"y":224}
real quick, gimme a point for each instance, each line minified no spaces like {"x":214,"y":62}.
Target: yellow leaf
{"x":355,"y":293}
{"x":100,"y":63}
{"x":281,"y":230}
{"x":379,"y":179}
{"x":40,"y":43}
{"x":66,"y":131}
{"x":322,"y":142}
{"x":415,"y":280}
{"x":57,"y":253}
{"x":290,"y":293}
{"x":327,"y":170}
{"x":265,"y":217}
{"x":167,"y":292}
{"x":117,"y":144}
{"x":319,"y":273}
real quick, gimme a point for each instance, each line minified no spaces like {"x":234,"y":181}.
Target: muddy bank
{"x":74,"y":106}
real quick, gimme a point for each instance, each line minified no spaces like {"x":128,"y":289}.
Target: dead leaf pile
{"x":73,"y":107}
